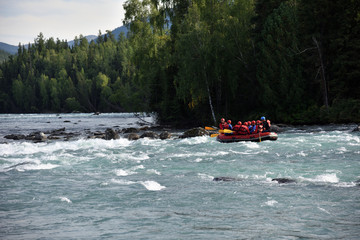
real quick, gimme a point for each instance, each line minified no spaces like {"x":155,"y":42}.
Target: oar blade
{"x":214,"y":135}
{"x":225,"y":131}
{"x":210,"y":128}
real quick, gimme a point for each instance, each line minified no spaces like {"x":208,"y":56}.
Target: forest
{"x":195,"y":61}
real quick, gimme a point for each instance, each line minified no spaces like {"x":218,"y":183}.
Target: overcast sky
{"x":23,"y":20}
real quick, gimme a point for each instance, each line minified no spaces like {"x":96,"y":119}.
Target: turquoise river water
{"x":164,"y":189}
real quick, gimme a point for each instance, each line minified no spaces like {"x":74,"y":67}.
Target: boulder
{"x":132,"y":136}
{"x":15,"y":136}
{"x":146,"y":128}
{"x":165,"y":135}
{"x":111,"y":134}
{"x":275,"y":128}
{"x":226,"y":179}
{"x":36,"y":136}
{"x":357,"y":129}
{"x":130,"y":130}
{"x":150,"y":134}
{"x":194,"y":132}
{"x":283,"y":180}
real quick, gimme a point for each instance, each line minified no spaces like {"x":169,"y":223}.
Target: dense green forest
{"x":3,"y":55}
{"x":192,"y":62}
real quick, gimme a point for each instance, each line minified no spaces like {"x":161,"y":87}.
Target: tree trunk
{"x":209,"y":95}
{"x":325,"y":95}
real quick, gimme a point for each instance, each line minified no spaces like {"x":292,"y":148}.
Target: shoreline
{"x":152,"y":132}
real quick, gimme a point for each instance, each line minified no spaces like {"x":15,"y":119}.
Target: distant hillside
{"x":8,"y":48}
{"x":11,"y":49}
{"x":119,"y":30}
{"x":89,"y":38}
{"x":116,"y":32}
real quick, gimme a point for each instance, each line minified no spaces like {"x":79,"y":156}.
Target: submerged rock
{"x":194,"y":132}
{"x":226,"y":179}
{"x":36,"y":136}
{"x":284,"y":180}
{"x":15,"y":136}
{"x":111,"y":134}
{"x":150,"y":134}
{"x":357,"y":129}
{"x":132,"y":136}
{"x":275,"y":128}
{"x":357,"y":182}
{"x":130,"y":130}
{"x":165,"y":135}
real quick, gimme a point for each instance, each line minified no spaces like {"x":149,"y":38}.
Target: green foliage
{"x":279,"y":67}
{"x":3,"y":55}
{"x":237,"y":58}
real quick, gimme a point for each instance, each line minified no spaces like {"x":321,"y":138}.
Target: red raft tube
{"x":255,"y":137}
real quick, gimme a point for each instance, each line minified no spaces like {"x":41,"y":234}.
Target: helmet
{"x":249,"y":122}
{"x":253,"y":122}
{"x":229,"y":121}
{"x":258,"y":122}
{"x":223,"y":119}
{"x":246,"y":123}
{"x":263,"y":118}
{"x":239,"y":123}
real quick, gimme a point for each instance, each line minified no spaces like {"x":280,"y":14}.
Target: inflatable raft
{"x":255,"y":137}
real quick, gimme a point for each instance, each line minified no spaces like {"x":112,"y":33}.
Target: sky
{"x":21,"y":21}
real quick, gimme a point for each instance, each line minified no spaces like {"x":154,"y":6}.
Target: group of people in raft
{"x":249,"y":127}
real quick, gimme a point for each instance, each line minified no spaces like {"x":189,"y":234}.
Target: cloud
{"x":22,"y":20}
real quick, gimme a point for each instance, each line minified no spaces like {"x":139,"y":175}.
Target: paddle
{"x":214,"y":135}
{"x":226,"y":131}
{"x":210,"y":128}
{"x":259,"y":137}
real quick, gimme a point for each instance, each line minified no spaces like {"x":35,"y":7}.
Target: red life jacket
{"x":244,"y":129}
{"x":236,"y":128}
{"x":223,"y":126}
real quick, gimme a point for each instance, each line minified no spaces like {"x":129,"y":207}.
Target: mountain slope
{"x":116,"y":32}
{"x":8,"y":48}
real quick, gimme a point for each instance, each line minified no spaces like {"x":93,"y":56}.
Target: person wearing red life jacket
{"x":252,"y":127}
{"x":237,"y":127}
{"x":244,"y":129}
{"x":259,"y":127}
{"x":223,"y":124}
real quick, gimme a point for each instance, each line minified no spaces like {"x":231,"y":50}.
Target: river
{"x":164,"y":189}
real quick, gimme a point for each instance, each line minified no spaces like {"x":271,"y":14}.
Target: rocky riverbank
{"x":62,"y":134}
{"x":132,"y":133}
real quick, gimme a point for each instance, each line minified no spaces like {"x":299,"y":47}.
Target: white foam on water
{"x":138,"y":167}
{"x":270,"y":203}
{"x":153,"y":171}
{"x":46,"y":166}
{"x":127,"y":172}
{"x":132,"y":157}
{"x":195,"y":140}
{"x":198,"y":160}
{"x":345,"y":184}
{"x":324,"y":178}
{"x":302,"y":154}
{"x":122,"y":173}
{"x":252,"y":145}
{"x":205,"y":176}
{"x":152,"y":185}
{"x":150,"y":142}
{"x":323,"y":210}
{"x":65,"y":199}
{"x":93,"y":145}
{"x":122,"y":182}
